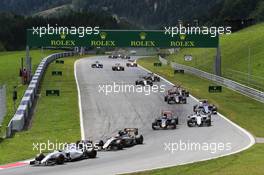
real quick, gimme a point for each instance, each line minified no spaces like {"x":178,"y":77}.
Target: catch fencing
{"x":243,"y":89}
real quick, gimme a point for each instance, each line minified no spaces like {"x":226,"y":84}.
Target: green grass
{"x":242,"y":110}
{"x":9,"y":75}
{"x":235,"y":54}
{"x":56,"y":118}
{"x":248,"y":162}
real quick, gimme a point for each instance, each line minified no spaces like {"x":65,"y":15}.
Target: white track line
{"x":252,"y":139}
{"x":79,"y":102}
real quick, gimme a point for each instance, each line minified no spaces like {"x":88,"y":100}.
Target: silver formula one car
{"x":71,"y":153}
{"x":166,"y":121}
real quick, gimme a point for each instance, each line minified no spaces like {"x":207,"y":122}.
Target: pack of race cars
{"x":87,"y":149}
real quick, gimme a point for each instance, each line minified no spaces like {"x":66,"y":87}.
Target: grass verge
{"x":234,"y":105}
{"x":9,"y":75}
{"x":56,"y":118}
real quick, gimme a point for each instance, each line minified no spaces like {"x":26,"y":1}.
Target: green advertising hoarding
{"x":122,"y":38}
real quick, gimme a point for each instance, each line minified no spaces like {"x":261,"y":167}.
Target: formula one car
{"x":205,"y":107}
{"x":113,"y":56}
{"x":97,"y":65}
{"x":144,"y":82}
{"x":152,"y":77}
{"x":176,"y":90}
{"x":70,"y":153}
{"x":165,"y":121}
{"x":131,"y":63}
{"x":118,"y":67}
{"x":176,"y":98}
{"x":125,"y":138}
{"x":199,"y":119}
{"x":125,"y":57}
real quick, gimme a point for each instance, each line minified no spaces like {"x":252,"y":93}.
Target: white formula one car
{"x":199,"y":119}
{"x":58,"y":157}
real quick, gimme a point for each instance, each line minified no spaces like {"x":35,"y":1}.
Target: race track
{"x":104,"y":115}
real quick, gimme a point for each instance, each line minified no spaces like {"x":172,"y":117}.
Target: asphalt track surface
{"x":104,"y":115}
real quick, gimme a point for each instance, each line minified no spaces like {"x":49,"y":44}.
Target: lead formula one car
{"x":58,"y":157}
{"x":166,"y":121}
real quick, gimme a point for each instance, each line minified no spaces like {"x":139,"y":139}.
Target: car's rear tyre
{"x":140,"y":139}
{"x":40,"y":157}
{"x":60,"y":159}
{"x":189,"y":124}
{"x":91,"y":154}
{"x":154,"y":126}
{"x":174,"y":126}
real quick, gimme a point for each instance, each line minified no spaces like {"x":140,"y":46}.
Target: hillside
{"x":242,"y":56}
{"x":148,"y":13}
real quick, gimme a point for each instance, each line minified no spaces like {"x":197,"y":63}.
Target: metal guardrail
{"x":243,"y":89}
{"x":2,"y":103}
{"x":163,"y":61}
{"x":17,"y":123}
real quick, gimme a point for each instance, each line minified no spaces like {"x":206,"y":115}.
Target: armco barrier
{"x":245,"y":90}
{"x":17,"y":123}
{"x":163,"y":61}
